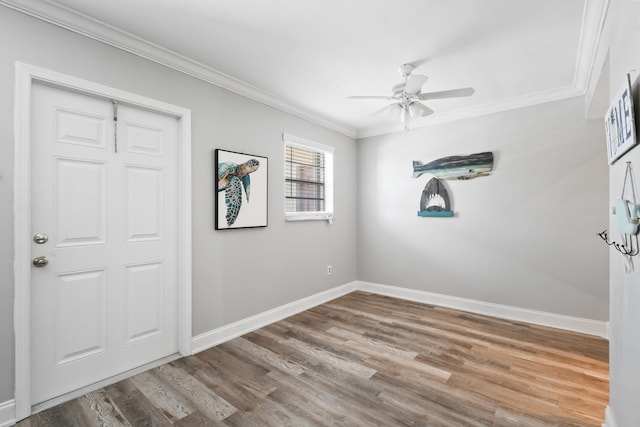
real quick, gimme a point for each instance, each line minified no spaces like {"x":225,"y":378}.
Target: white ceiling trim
{"x":105,"y":33}
{"x":595,"y":12}
{"x":593,"y":18}
{"x":479,"y":110}
{"x":600,"y":55}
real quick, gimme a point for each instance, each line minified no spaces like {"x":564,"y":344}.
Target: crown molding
{"x":89,"y":27}
{"x":479,"y":110}
{"x":592,"y":48}
{"x":586,"y":73}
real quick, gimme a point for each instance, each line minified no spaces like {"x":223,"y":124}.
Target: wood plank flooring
{"x":365,"y":360}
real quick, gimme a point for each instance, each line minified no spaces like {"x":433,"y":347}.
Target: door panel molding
{"x":25,"y":75}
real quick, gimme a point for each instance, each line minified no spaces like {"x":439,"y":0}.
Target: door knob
{"x":40,"y":261}
{"x":40,"y":238}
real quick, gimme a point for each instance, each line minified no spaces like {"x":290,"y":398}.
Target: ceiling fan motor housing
{"x":406,"y":69}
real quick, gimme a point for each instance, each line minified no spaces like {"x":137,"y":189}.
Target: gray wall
{"x":624,"y":338}
{"x":236,"y":273}
{"x":525,"y":236}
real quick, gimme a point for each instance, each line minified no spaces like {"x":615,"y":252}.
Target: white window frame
{"x":327,"y":213}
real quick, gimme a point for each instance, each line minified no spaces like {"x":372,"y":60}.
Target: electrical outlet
{"x":329,"y":270}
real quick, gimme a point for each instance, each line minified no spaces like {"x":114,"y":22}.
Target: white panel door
{"x":106,"y":301}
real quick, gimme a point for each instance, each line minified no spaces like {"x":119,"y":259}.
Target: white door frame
{"x":25,"y":75}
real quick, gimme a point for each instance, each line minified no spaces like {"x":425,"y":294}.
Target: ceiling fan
{"x":408,"y":94}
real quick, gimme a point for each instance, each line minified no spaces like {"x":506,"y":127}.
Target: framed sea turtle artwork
{"x":240,"y":190}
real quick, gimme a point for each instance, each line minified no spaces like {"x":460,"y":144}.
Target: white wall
{"x":624,"y":337}
{"x":236,"y":273}
{"x":525,"y":236}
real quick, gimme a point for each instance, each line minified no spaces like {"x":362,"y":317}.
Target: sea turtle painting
{"x":232,"y":178}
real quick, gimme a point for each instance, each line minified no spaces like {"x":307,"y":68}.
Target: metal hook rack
{"x":629,"y":224}
{"x":627,"y":248}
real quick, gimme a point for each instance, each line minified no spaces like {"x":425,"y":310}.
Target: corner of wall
{"x":228,"y":332}
{"x":536,"y":317}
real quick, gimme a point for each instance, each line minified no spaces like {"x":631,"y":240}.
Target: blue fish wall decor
{"x":457,"y":167}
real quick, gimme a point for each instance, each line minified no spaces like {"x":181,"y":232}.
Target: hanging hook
{"x":626,"y":248}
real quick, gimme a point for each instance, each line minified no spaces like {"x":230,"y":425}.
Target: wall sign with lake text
{"x":620,"y":129}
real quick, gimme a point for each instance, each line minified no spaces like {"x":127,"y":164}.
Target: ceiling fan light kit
{"x":406,"y":96}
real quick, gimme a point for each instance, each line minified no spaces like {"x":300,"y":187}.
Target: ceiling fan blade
{"x":387,"y":97}
{"x":453,"y":93}
{"x":414,"y":83}
{"x":384,"y":111}
{"x":394,"y":113}
{"x":391,"y":112}
{"x":397,"y":90}
{"x":418,"y":109}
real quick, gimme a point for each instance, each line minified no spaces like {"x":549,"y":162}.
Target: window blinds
{"x":304,"y":179}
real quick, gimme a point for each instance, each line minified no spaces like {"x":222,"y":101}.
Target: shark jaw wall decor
{"x":435,"y":197}
{"x":435,"y":200}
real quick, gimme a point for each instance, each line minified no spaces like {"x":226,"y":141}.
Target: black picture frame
{"x":234,"y":174}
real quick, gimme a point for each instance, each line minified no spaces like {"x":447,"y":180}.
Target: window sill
{"x":309,"y":216}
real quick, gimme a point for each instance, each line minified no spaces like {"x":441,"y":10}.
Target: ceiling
{"x":308,"y":56}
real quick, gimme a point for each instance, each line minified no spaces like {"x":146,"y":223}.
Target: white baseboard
{"x":228,"y":332}
{"x":609,"y":420}
{"x":8,"y":413}
{"x":542,"y":318}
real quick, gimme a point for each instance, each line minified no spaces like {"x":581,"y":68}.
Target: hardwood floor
{"x":365,"y":360}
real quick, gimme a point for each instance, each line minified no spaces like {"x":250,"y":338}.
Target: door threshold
{"x":100,"y":384}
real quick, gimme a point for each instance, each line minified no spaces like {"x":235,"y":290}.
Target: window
{"x":308,"y":179}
